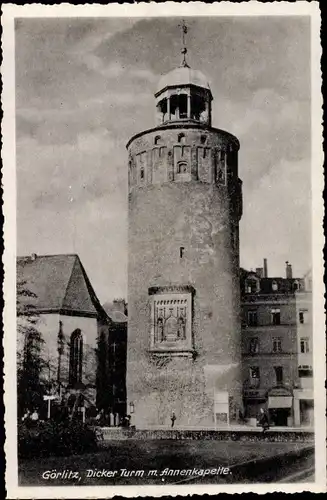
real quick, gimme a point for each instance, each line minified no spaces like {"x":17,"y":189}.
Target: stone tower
{"x":185,"y":203}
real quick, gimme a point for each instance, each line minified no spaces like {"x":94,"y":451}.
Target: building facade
{"x":185,"y":204}
{"x":277,"y":347}
{"x":56,"y":299}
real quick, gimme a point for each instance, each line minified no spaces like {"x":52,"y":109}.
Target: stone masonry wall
{"x":198,"y":215}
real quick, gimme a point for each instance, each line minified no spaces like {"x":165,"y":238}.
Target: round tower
{"x":185,"y":203}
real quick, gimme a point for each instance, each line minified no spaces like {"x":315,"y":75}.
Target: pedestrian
{"x":26,"y":416}
{"x":173,"y":418}
{"x":263,"y":420}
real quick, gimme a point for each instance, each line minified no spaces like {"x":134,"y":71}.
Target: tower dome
{"x":180,"y":77}
{"x":183,"y":94}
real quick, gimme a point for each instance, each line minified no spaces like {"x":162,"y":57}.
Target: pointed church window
{"x":76,"y":358}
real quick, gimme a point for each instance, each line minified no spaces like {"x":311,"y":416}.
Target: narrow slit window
{"x":181,"y":252}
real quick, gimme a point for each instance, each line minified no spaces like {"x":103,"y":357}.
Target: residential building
{"x":277,"y":346}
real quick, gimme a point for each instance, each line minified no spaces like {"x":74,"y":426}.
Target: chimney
{"x":265,"y":268}
{"x":289,"y":273}
{"x":259,"y":272}
{"x":33,"y":256}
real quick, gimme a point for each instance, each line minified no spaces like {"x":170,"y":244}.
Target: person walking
{"x":263,"y":420}
{"x":173,"y":418}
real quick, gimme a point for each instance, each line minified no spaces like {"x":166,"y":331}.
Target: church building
{"x":185,"y":204}
{"x":55,"y":298}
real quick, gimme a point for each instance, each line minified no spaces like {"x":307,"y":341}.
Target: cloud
{"x":277,"y":218}
{"x":85,"y":86}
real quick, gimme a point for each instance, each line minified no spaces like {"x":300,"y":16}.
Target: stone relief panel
{"x":171,"y":321}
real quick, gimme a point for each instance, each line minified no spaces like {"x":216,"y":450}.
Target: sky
{"x":84,"y":86}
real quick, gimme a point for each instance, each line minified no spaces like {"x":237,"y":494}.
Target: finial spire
{"x":184,"y":30}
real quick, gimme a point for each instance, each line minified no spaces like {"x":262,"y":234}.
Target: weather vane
{"x":184,"y":30}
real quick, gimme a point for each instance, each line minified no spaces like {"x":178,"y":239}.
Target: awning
{"x":280,"y":401}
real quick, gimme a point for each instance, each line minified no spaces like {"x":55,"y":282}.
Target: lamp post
{"x":60,"y":349}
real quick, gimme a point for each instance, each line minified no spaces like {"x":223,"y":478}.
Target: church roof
{"x":58,"y":283}
{"x":114,"y":314}
{"x":182,"y":76}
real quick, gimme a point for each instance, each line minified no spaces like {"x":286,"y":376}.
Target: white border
{"x":10,"y":11}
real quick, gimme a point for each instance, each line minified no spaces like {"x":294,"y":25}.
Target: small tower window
{"x":181,"y":167}
{"x":157,"y":139}
{"x":181,"y":138}
{"x":142,"y":174}
{"x":181,"y":252}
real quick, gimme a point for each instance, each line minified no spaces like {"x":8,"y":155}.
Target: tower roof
{"x":182,"y":76}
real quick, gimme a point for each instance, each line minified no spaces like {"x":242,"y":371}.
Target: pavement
{"x":232,"y":428}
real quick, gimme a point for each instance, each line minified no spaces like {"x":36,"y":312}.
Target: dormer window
{"x":274,"y":286}
{"x":252,"y":284}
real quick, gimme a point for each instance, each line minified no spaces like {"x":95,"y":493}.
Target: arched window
{"x":181,"y":138}
{"x":181,"y":167}
{"x":157,"y":139}
{"x":203,"y":139}
{"x":76,"y":357}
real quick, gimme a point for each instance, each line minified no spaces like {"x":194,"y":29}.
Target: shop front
{"x":280,"y":404}
{"x":303,"y":408}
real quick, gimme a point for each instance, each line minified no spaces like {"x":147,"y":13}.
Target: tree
{"x":30,"y":386}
